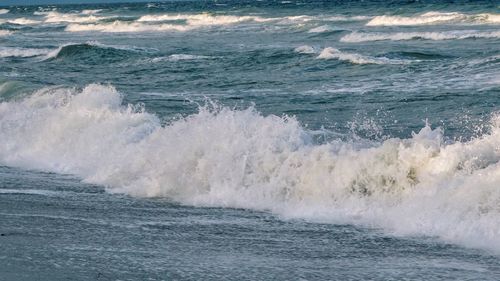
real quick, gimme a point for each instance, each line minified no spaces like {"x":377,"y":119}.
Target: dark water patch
{"x":417,"y":55}
{"x":92,"y":53}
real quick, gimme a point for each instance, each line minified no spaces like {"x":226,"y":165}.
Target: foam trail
{"x":123,"y":27}
{"x":434,"y":18}
{"x":202,"y":19}
{"x":305,"y":49}
{"x":5,"y":32}
{"x":320,"y":29}
{"x":332,"y":53}
{"x":436,"y":36}
{"x":180,"y":57}
{"x":23,"y":21}
{"x":22,"y":52}
{"x":228,"y":158}
{"x":55,"y":17}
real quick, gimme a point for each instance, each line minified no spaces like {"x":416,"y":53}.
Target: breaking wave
{"x":5,"y":32}
{"x":434,"y":18}
{"x":241,"y":159}
{"x":6,"y":52}
{"x":399,"y":36}
{"x":122,"y":27}
{"x":3,"y":11}
{"x":332,"y":53}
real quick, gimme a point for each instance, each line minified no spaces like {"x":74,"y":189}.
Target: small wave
{"x":5,"y":32}
{"x":56,"y":17}
{"x":321,"y":29}
{"x":3,"y":11}
{"x":398,"y":36}
{"x":72,"y":49}
{"x":6,"y":52}
{"x":124,"y":27}
{"x":305,"y":49}
{"x":332,"y":53}
{"x":91,"y":12}
{"x":180,"y":57}
{"x":434,"y":18}
{"x":221,"y":157}
{"x":197,"y":20}
{"x":29,"y":192}
{"x":23,"y":21}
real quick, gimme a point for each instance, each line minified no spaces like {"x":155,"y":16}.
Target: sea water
{"x":250,"y":140}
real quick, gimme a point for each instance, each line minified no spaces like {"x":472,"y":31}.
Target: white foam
{"x":320,"y":29}
{"x":180,"y":57}
{"x":204,"y":19}
{"x":332,"y":53}
{"x":23,"y":21}
{"x":3,"y":11}
{"x":398,"y":36}
{"x":22,"y":52}
{"x":305,"y":49}
{"x":122,"y":27}
{"x":29,"y":192}
{"x":434,"y":18}
{"x":5,"y":32}
{"x":230,"y":158}
{"x":91,"y":12}
{"x":56,"y":17}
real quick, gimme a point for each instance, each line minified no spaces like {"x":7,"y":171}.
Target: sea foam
{"x":332,"y":53}
{"x":434,"y":18}
{"x":399,"y":36}
{"x":222,"y":157}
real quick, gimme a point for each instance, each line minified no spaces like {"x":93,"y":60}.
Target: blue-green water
{"x":291,"y":140}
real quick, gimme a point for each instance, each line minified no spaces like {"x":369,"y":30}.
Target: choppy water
{"x":250,"y":140}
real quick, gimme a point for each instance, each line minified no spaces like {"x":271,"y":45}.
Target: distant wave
{"x":222,"y":157}
{"x":91,"y":20}
{"x":121,"y":26}
{"x":56,"y":17}
{"x":398,"y":36}
{"x":332,"y":53}
{"x":305,"y":49}
{"x":3,"y":11}
{"x":434,"y":18}
{"x":67,"y":50}
{"x":320,"y":29}
{"x":91,"y":12}
{"x":21,"y":21}
{"x":5,"y":32}
{"x":203,"y":19}
{"x":22,"y":52}
{"x":73,"y":49}
{"x":180,"y":57}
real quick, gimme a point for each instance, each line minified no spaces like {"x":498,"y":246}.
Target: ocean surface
{"x":250,"y":140}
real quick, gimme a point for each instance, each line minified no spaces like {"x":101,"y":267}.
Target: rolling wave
{"x":332,"y":53}
{"x":238,"y":158}
{"x":6,"y":52}
{"x":3,"y":11}
{"x":85,"y":50}
{"x":5,"y":32}
{"x":434,"y":18}
{"x":356,"y":37}
{"x":21,"y":21}
{"x":123,"y":27}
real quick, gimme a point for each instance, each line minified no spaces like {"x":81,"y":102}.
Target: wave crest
{"x":239,"y":158}
{"x":434,"y":18}
{"x":356,"y":37}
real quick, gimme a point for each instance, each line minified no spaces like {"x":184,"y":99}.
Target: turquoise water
{"x":250,"y":140}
